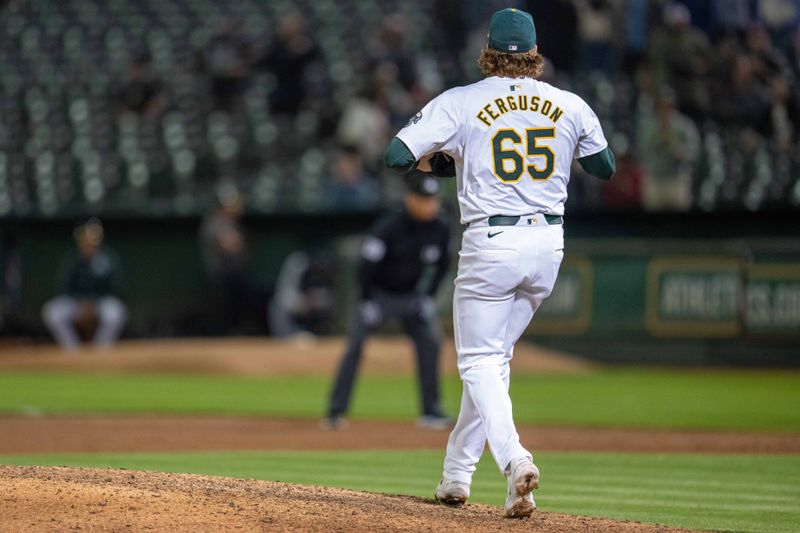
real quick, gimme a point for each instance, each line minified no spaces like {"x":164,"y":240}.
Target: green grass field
{"x":726,"y":492}
{"x":721,"y":400}
{"x":722,"y":492}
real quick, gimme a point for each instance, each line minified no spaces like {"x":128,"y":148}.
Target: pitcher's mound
{"x":75,"y":499}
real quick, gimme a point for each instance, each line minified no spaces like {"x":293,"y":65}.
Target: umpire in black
{"x":403,"y":262}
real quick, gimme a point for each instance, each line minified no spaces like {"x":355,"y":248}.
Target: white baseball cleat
{"x":333,"y":423}
{"x":452,"y":493}
{"x":436,"y":422}
{"x":523,"y":477}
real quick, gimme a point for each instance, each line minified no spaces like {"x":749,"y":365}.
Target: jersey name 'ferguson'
{"x":511,"y":140}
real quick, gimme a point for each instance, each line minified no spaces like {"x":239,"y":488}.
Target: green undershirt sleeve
{"x":398,"y":157}
{"x":600,"y":165}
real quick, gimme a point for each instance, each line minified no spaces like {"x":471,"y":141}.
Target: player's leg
{"x":58,"y":315}
{"x":466,"y":442}
{"x":537,"y":285}
{"x":365,"y":321}
{"x":111,"y":315}
{"x":484,"y":301}
{"x":420,"y":325}
{"x":543,"y":260}
{"x":521,"y":315}
{"x":468,"y":439}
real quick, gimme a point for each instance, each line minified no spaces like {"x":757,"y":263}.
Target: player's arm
{"x":420,"y":145}
{"x":601,"y":165}
{"x":592,"y":151}
{"x":399,"y":158}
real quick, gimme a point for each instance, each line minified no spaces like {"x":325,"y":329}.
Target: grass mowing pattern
{"x":723,"y":400}
{"x":726,"y":492}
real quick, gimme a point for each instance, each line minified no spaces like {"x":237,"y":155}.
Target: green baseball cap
{"x":512,"y":31}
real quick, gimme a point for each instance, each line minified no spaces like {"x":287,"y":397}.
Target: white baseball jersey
{"x":513,"y":141}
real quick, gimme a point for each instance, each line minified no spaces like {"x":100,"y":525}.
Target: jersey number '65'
{"x":509,"y":163}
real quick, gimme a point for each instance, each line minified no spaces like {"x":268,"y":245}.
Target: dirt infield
{"x":70,"y":499}
{"x":260,"y":357}
{"x":172,"y":434}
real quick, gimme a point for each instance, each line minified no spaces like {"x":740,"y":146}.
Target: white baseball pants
{"x":59,"y":315}
{"x":504,"y":274}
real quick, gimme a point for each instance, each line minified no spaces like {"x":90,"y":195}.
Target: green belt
{"x":503,"y":220}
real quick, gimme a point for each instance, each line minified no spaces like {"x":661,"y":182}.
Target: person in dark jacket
{"x":88,"y":287}
{"x":402,"y":266}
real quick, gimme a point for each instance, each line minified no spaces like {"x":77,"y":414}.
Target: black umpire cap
{"x":422,"y":184}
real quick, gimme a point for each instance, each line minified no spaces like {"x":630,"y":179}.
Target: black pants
{"x":420,"y":324}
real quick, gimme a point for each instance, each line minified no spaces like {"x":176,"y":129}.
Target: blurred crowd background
{"x":150,"y":106}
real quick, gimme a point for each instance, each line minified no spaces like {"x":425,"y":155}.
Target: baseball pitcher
{"x":512,"y":140}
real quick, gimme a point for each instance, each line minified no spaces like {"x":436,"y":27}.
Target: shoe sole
{"x":527,"y":483}
{"x":452,"y":501}
{"x":523,"y":507}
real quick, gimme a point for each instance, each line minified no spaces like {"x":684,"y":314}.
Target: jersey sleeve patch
{"x":440,"y":127}
{"x":413,"y":120}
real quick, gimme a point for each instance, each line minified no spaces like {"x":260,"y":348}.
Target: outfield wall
{"x":712,"y":301}
{"x":705,"y":290}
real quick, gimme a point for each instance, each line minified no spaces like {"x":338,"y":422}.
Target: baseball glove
{"x":442,"y":165}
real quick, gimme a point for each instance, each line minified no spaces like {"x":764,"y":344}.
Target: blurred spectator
{"x":228,"y":59}
{"x":398,"y":103}
{"x":88,"y":286}
{"x":350,"y":186}
{"x":669,"y":144}
{"x":784,"y":112}
{"x":595,"y":28}
{"x":304,"y":298}
{"x":749,"y":171}
{"x":768,"y":61}
{"x":142,"y":92}
{"x":233,"y":299}
{"x":720,"y":76}
{"x":289,"y":56}
{"x":636,"y":26}
{"x":680,"y":58}
{"x":781,"y":18}
{"x":391,"y":45}
{"x":747,"y":98}
{"x":365,"y":124}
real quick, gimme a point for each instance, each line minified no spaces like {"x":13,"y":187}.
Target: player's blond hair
{"x":528,"y":64}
